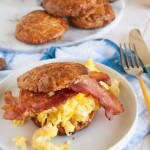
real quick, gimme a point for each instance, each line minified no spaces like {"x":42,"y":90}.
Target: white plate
{"x":12,"y":11}
{"x":101,"y":134}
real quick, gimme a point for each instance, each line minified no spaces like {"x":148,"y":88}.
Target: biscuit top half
{"x":51,"y":77}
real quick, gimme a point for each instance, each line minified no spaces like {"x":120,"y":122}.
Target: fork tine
{"x":132,"y":58}
{"x":122,"y":57}
{"x":127,"y":57}
{"x":136,"y":55}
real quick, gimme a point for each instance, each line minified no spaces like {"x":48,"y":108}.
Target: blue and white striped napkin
{"x":102,"y":51}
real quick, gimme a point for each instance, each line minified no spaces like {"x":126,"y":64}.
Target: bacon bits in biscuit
{"x":38,"y":27}
{"x":98,"y":16}
{"x":67,"y":8}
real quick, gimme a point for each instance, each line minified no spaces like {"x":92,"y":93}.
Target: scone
{"x":98,"y":16}
{"x":39,"y":27}
{"x":67,"y":8}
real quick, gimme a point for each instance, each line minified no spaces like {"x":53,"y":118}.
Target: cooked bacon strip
{"x":9,"y":99}
{"x":32,"y":102}
{"x":107,"y":100}
{"x":100,"y":76}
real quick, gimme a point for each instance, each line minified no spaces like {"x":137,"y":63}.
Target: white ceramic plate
{"x":12,"y":11}
{"x":101,"y":134}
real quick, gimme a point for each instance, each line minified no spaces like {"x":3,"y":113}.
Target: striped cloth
{"x":103,"y":51}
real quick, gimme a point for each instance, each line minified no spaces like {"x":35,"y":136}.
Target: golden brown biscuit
{"x":51,"y":77}
{"x":98,"y":16}
{"x":67,"y":8}
{"x":78,"y":125}
{"x":38,"y":27}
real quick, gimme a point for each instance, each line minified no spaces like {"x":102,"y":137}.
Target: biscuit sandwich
{"x":65,"y":94}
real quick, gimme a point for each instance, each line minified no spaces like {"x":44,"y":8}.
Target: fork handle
{"x":145,"y":93}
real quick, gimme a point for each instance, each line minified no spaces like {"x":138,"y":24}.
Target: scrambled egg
{"x":41,"y":139}
{"x":77,"y":108}
{"x":106,"y":86}
{"x":114,"y":88}
{"x":20,"y":142}
{"x":42,"y":135}
{"x":91,"y":66}
{"x":18,"y":122}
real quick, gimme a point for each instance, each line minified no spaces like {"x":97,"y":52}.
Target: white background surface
{"x":136,"y":15}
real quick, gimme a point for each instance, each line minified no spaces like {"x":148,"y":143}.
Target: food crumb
{"x":20,"y":142}
{"x":73,"y":138}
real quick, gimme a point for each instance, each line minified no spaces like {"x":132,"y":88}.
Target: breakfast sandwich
{"x":52,"y":85}
{"x":38,"y":27}
{"x":61,"y":98}
{"x":67,"y":8}
{"x":98,"y":16}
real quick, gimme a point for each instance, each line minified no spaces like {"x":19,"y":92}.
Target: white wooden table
{"x":136,"y":15}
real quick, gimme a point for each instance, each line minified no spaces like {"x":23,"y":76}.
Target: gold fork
{"x":133,"y":67}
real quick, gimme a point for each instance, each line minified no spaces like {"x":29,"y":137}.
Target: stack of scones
{"x":50,"y":24}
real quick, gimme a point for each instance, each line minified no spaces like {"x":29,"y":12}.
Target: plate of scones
{"x":34,"y":25}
